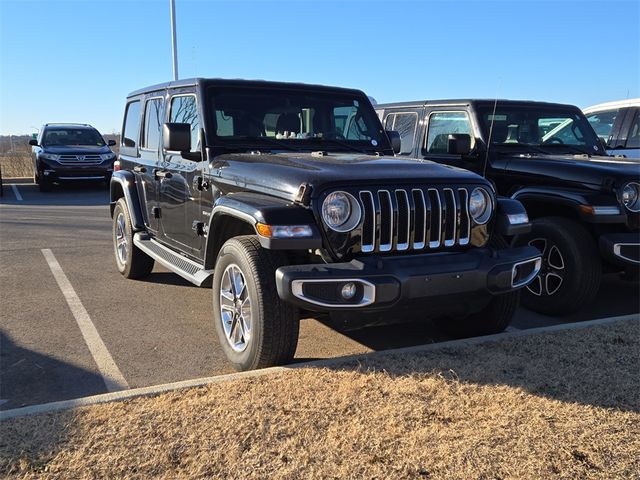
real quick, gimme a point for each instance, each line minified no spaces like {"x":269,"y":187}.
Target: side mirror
{"x":394,"y":138}
{"x":111,"y":143}
{"x":459,"y":144}
{"x":176,"y":137}
{"x":33,"y":143}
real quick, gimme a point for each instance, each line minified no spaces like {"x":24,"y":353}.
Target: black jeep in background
{"x":584,"y":204}
{"x":70,"y":152}
{"x":287,"y":200}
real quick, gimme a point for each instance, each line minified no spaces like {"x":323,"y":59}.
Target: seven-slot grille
{"x":414,"y":219}
{"x":80,"y":159}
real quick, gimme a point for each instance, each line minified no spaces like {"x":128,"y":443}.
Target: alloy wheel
{"x":552,"y":271}
{"x":235,"y":308}
{"x":122,"y":243}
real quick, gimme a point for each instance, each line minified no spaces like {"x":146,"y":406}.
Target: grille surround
{"x":415,"y":219}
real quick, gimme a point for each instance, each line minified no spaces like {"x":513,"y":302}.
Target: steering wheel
{"x":555,"y":140}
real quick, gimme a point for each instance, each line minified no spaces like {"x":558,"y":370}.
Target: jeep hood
{"x":598,"y":171}
{"x":281,"y":174}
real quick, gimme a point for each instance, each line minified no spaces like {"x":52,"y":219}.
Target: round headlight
{"x":341,"y":211}
{"x":631,"y":196}
{"x":480,"y":205}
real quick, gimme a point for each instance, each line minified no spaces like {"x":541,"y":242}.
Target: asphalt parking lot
{"x":154,"y":331}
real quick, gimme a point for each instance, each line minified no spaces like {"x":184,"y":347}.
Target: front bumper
{"x":55,"y":172}
{"x":621,"y":248}
{"x":381,"y":282}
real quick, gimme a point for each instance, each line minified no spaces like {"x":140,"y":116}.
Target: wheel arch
{"x":123,"y":185}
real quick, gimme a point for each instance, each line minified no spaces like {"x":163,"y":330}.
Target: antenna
{"x":174,"y":48}
{"x":493,"y":119}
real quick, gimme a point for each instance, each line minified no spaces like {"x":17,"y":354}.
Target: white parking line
{"x":16,"y":192}
{"x":113,"y":378}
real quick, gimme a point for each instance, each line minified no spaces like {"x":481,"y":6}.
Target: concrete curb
{"x":198,"y":382}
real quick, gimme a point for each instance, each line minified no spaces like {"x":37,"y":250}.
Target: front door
{"x":149,"y":158}
{"x":180,"y":197}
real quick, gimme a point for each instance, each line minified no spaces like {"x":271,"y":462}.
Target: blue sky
{"x":77,"y":60}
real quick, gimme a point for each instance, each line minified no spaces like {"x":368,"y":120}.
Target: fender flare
{"x":584,"y":203}
{"x":253,"y":208}
{"x":125,"y":182}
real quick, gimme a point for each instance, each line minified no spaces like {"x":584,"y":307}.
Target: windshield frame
{"x":310,"y":144}
{"x":592,"y":145}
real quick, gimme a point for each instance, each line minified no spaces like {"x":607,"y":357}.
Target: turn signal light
{"x":284,"y":231}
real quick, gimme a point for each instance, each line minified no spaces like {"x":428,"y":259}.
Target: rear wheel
{"x":571,"y":267}
{"x":256,"y":329}
{"x":130,"y":260}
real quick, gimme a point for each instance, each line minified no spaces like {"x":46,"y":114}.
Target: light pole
{"x":172,"y":5}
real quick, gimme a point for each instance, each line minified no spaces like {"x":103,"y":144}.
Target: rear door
{"x":180,"y":198}
{"x":628,"y":140}
{"x":135,"y":159}
{"x":150,"y":155}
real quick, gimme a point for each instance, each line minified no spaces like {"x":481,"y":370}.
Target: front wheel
{"x":256,"y":329}
{"x":130,"y":260}
{"x":571,"y":267}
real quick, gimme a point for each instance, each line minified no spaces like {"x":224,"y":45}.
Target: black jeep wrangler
{"x":286,"y":199}
{"x":584,"y":204}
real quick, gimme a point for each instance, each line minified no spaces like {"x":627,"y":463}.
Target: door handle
{"x":139,"y":169}
{"x":162,"y":174}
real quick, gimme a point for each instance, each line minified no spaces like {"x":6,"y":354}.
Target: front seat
{"x":288,"y":122}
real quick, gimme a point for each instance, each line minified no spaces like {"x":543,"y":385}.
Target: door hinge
{"x":155,"y":211}
{"x":198,"y":227}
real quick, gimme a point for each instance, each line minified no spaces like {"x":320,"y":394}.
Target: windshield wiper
{"x":571,"y":148}
{"x":341,"y":144}
{"x":523,"y":147}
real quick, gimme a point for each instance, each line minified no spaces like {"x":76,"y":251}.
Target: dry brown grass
{"x":557,"y":405}
{"x":16,"y":164}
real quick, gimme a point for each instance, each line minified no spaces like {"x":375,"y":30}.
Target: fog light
{"x":348,"y":291}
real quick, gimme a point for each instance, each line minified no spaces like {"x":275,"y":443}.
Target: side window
{"x":131,"y":133}
{"x":184,"y":110}
{"x":405,"y":124}
{"x":441,"y":125}
{"x":602,"y":123}
{"x":633,"y":140}
{"x":152,"y":122}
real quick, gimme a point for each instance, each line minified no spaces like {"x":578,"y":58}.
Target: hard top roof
{"x":473,"y":101}
{"x":238,"y":82}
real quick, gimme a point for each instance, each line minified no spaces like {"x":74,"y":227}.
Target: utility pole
{"x":174,"y":50}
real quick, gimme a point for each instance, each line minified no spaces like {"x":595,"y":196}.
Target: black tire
{"x":563,"y":242}
{"x":44,"y":185}
{"x":134,"y":263}
{"x":493,"y":318}
{"x":274,"y":324}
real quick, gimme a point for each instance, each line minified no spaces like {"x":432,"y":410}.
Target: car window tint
{"x":152,"y":122}
{"x":441,"y":125}
{"x":131,"y":125}
{"x":602,"y":122}
{"x":405,"y":124}
{"x":633,"y":140}
{"x":184,"y":110}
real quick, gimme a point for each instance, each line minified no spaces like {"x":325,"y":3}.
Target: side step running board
{"x":185,"y":267}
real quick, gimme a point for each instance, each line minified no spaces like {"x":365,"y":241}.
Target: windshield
{"x":539,"y":129}
{"x":72,"y":136}
{"x":294,"y":120}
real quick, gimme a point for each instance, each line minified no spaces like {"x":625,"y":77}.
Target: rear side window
{"x":405,"y":125}
{"x":633,"y":140}
{"x":185,"y":110}
{"x":441,"y":125}
{"x":131,"y":132}
{"x":152,"y":122}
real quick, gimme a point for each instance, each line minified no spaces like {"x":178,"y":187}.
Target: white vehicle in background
{"x":617,"y":125}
